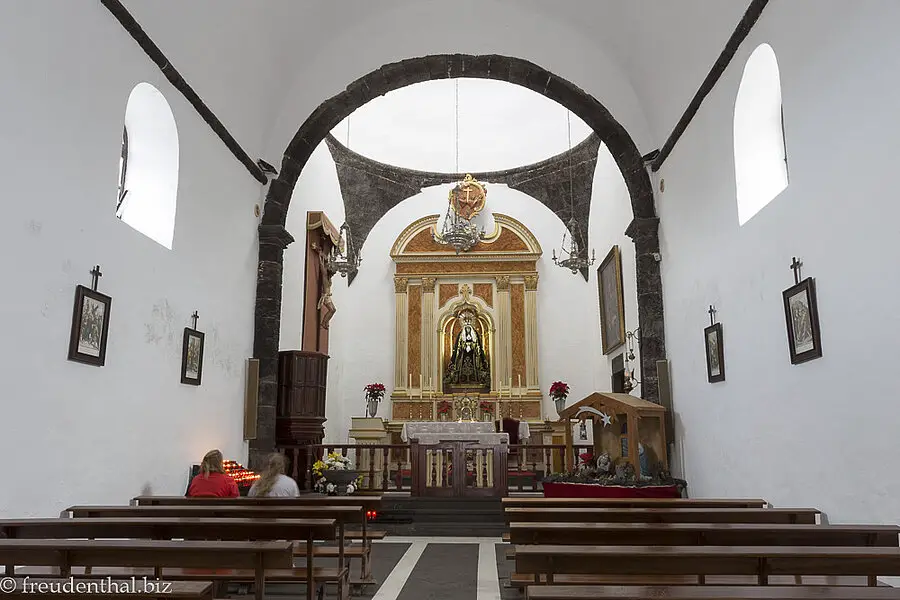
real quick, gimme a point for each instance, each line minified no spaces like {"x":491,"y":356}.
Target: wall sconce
{"x":631,"y":337}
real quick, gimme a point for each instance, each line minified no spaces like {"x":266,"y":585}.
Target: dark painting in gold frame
{"x":612,"y":301}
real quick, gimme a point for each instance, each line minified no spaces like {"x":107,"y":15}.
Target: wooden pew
{"x":210,"y":560}
{"x":116,"y":589}
{"x":662,"y":515}
{"x":711,"y":592}
{"x":761,"y":562}
{"x":339,"y":515}
{"x":703,"y":534}
{"x":539,"y":502}
{"x":366,"y":535}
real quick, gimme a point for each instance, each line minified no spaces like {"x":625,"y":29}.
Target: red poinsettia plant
{"x":444,"y":407}
{"x":374,"y":391}
{"x":486,"y":407}
{"x":559,"y":389}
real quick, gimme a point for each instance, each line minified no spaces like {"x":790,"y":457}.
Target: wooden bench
{"x":711,"y":592}
{"x":116,"y":589}
{"x":369,"y":503}
{"x":339,"y":515}
{"x":540,"y":502}
{"x":611,"y":563}
{"x":703,"y":534}
{"x":203,"y":561}
{"x":662,"y":515}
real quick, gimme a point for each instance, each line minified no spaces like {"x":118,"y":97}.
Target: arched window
{"x":760,"y":158}
{"x":148,"y":167}
{"x":123,"y":172}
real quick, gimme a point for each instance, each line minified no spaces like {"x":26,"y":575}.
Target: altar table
{"x":429,"y":432}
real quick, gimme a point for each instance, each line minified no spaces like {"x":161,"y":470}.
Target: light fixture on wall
{"x":630,"y":337}
{"x":574,"y":258}
{"x":466,"y":200}
{"x":344,"y":258}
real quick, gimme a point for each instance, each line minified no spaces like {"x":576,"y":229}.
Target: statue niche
{"x":468,"y":368}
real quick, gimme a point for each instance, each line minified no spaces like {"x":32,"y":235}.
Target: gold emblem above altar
{"x":468,"y":198}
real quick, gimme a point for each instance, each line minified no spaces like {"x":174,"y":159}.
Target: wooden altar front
{"x":497,"y":281}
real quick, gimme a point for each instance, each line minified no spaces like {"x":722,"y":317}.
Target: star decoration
{"x":607,"y":420}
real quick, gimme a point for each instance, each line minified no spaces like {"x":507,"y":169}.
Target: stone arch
{"x":274,"y":238}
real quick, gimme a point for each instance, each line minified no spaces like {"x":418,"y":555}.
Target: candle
{"x":520,"y":380}
{"x":421,"y":381}
{"x":409,"y":382}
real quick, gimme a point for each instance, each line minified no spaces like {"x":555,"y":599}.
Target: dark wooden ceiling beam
{"x":156,"y":55}
{"x":740,"y":34}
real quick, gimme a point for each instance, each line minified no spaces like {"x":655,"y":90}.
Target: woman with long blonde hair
{"x":273,"y":482}
{"x":212,"y":481}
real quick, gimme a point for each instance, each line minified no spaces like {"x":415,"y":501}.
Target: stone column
{"x":531,"y":329}
{"x":652,"y":340}
{"x":429,"y":333}
{"x":400,"y":378}
{"x":504,"y":339}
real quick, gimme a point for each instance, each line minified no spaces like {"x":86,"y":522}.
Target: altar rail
{"x":427,"y":469}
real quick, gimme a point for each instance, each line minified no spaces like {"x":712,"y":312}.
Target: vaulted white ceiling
{"x":264,"y":66}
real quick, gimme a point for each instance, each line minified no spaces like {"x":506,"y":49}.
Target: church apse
{"x":466,"y":323}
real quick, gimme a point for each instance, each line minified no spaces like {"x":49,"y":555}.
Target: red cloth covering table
{"x":593,"y":490}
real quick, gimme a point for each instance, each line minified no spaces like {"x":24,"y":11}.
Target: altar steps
{"x":468,"y":517}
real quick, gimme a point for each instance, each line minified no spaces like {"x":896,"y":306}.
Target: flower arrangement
{"x":559,"y":390}
{"x":330,"y":463}
{"x":486,"y":407}
{"x":374,"y":392}
{"x":444,"y":408}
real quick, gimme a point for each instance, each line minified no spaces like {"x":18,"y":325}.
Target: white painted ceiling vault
{"x":264,"y":66}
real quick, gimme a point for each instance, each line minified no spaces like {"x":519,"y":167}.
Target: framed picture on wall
{"x":90,"y":326}
{"x":192,"y":357}
{"x":801,"y":315}
{"x":612,"y":301}
{"x":715,"y":353}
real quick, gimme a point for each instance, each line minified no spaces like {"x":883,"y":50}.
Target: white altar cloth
{"x":441,"y":429}
{"x":415,"y":429}
{"x":494,"y":439}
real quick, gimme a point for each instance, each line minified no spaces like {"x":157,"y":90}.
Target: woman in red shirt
{"x":212,"y":480}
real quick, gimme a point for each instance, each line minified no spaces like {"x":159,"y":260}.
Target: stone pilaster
{"x":402,"y":302}
{"x":531,"y":329}
{"x":273,"y":239}
{"x":645,"y":233}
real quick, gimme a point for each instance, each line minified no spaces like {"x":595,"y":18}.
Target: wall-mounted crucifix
{"x":712,"y":312}
{"x":795,"y":267}
{"x":95,"y":277}
{"x":194,"y":318}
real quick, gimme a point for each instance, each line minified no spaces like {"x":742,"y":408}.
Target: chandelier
{"x":574,"y":257}
{"x":343,"y":258}
{"x":466,"y":200}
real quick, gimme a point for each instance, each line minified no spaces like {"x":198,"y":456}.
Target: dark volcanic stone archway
{"x":273,"y":238}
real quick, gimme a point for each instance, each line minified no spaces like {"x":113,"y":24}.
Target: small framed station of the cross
{"x":90,"y":323}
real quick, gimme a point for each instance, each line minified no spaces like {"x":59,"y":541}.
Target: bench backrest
{"x":634,"y":503}
{"x":186,"y":528}
{"x":761,"y":561}
{"x":712,"y":592}
{"x":367,"y":502}
{"x":662,"y":515}
{"x":703,"y":534}
{"x":146,"y":553}
{"x":341,"y":514}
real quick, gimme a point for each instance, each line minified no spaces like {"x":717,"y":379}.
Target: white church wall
{"x":610,"y":215}
{"x":73,"y":433}
{"x":316,"y":189}
{"x":821,"y":433}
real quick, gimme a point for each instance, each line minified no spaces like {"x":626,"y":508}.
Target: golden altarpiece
{"x":484,"y":299}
